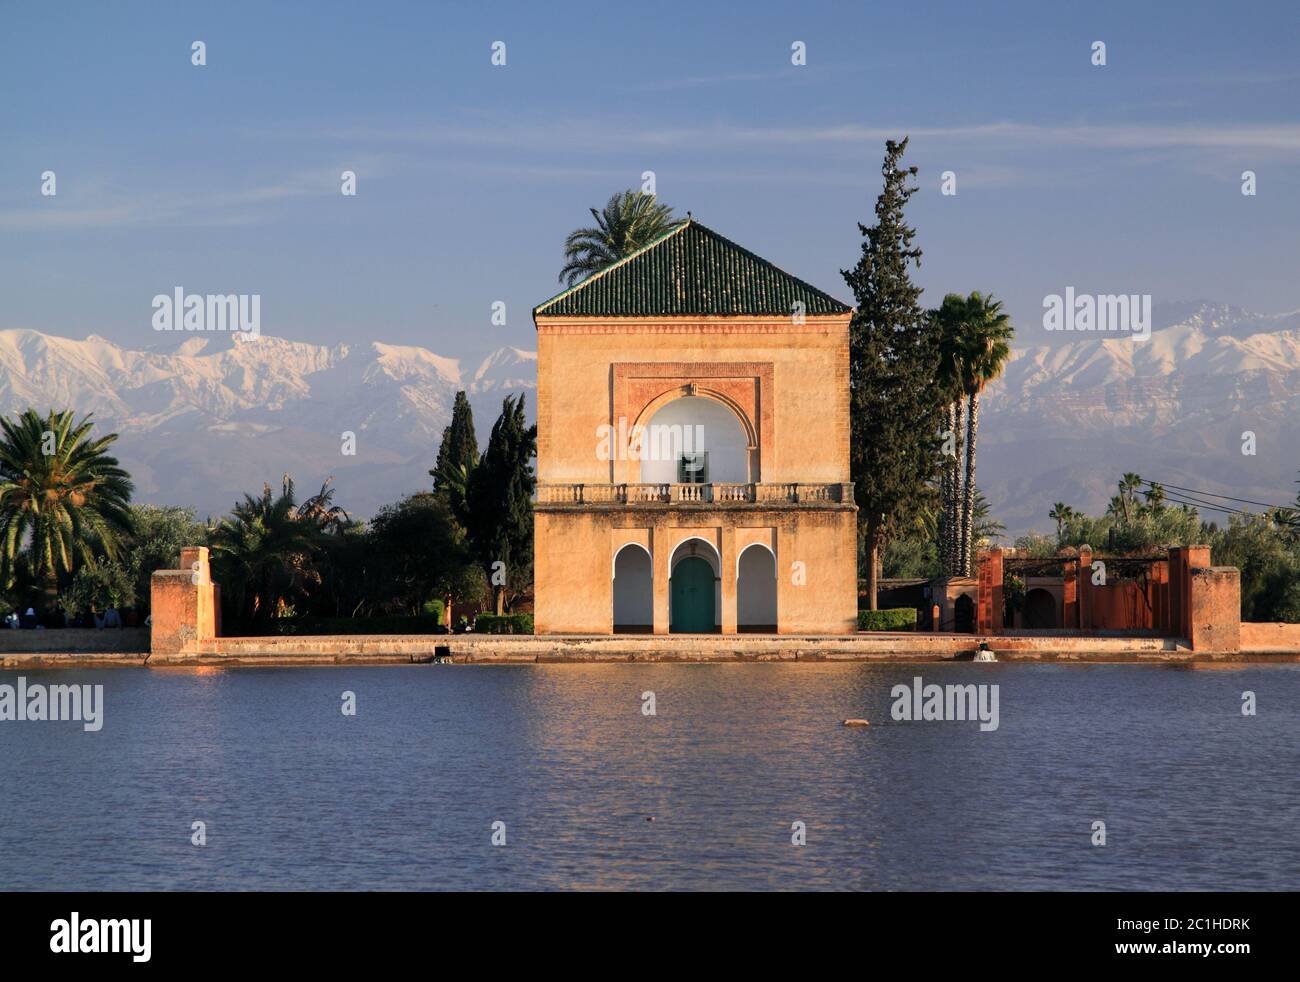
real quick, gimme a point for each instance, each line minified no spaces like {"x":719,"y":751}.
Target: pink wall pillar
{"x":1083,"y":588}
{"x":1177,"y":592}
{"x":1070,"y":594}
{"x":183,"y":605}
{"x":1215,"y":614}
{"x":1159,"y":586}
{"x":1213,"y":603}
{"x":989,"y":603}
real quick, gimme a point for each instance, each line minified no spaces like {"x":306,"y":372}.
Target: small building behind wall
{"x":693,"y":438}
{"x":1176,"y":594}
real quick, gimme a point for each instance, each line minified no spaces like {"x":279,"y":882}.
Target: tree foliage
{"x":501,"y":502}
{"x":974,"y":345}
{"x":457,"y":457}
{"x":420,"y":552}
{"x":64,"y":501}
{"x":629,"y":221}
{"x":264,"y":554}
{"x":893,"y":348}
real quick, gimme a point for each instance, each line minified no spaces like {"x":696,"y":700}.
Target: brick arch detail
{"x":641,"y":389}
{"x":702,"y":392}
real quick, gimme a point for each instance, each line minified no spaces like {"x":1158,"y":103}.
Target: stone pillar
{"x":728,"y":575}
{"x":183,"y":605}
{"x":989,"y":603}
{"x":1160,"y":596}
{"x":1214,"y":613}
{"x":1070,"y":594}
{"x":1083,"y":587}
{"x":787,"y":594}
{"x":1177,"y":591}
{"x":661,"y":551}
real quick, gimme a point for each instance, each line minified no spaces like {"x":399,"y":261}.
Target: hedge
{"x":889,"y":619}
{"x":422,"y":624}
{"x":435,"y":609}
{"x":504,"y":624}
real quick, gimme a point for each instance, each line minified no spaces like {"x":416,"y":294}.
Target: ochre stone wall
{"x":185,"y":606}
{"x":1121,"y":606}
{"x":788,"y":381}
{"x":1215,"y":610}
{"x":1270,"y":637}
{"x":575,"y":549}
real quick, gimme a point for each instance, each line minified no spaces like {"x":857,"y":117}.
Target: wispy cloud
{"x":600,"y":136}
{"x":111,"y":204}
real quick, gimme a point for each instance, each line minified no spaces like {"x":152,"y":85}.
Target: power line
{"x":1196,"y":500}
{"x":1200,"y":504}
{"x":1211,"y":494}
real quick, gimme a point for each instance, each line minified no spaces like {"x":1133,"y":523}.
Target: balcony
{"x":712,"y":495}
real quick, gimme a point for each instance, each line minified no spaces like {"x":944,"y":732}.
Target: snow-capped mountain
{"x":205,"y":418}
{"x":1067,"y":419}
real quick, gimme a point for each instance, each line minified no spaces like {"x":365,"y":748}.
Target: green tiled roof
{"x":689,"y":270}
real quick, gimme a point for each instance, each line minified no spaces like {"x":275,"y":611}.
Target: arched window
{"x":633,"y":590}
{"x":756,"y":589}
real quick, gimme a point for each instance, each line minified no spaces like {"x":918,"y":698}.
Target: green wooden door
{"x":693,"y":596}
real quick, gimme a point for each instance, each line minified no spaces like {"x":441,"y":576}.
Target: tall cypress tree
{"x":457,"y":457}
{"x":501,"y":501}
{"x":894,"y":403}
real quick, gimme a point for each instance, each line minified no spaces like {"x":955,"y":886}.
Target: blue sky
{"x":225,"y":178}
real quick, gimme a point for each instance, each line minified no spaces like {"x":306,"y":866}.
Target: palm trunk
{"x":944,"y":485}
{"x":968,"y":509}
{"x":873,"y":561}
{"x":51,"y":591}
{"x":501,"y":600}
{"x":952,"y":500}
{"x":955,"y":566}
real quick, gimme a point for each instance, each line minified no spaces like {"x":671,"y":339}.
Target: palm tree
{"x":264,"y":553}
{"x":321,"y":511}
{"x":630,"y":220}
{"x":949,"y":319}
{"x":987,"y":332}
{"x":985,"y":528}
{"x":1060,"y":513}
{"x":1128,"y":486}
{"x":63,"y":500}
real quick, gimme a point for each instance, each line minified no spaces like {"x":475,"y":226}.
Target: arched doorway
{"x":1040,"y":609}
{"x":756,"y":589}
{"x":633,"y":591}
{"x":963,"y":609}
{"x":693,"y":587}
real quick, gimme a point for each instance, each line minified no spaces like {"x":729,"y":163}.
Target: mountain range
{"x":206,"y":418}
{"x":1068,"y":418}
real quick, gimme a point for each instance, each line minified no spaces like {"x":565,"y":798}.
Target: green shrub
{"x":422,"y":624}
{"x":97,"y":589}
{"x":890,"y":619}
{"x":504,"y":624}
{"x":435,"y":609}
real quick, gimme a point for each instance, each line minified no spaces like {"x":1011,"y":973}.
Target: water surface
{"x":403,"y":796}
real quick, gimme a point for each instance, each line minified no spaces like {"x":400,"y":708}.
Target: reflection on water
{"x":404,"y":794}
